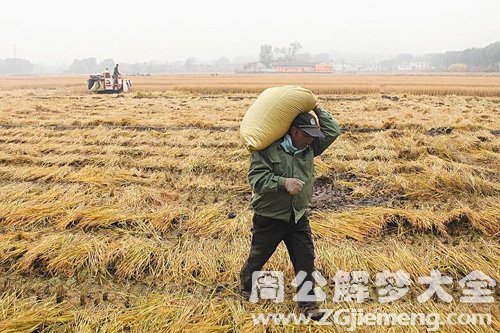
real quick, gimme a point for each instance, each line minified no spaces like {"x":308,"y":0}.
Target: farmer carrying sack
{"x":271,"y":115}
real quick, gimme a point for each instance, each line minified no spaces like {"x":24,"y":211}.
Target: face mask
{"x":288,"y":146}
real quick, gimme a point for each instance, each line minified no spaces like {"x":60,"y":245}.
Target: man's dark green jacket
{"x":271,"y":166}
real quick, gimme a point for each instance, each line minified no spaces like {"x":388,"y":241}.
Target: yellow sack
{"x":271,"y":115}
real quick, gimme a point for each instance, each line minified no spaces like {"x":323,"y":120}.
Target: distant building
{"x":302,"y":68}
{"x":293,"y":68}
{"x":338,"y":67}
{"x":414,"y":66}
{"x":255,"y":67}
{"x":372,"y":68}
{"x":346,"y":67}
{"x":404,"y":67}
{"x":323,"y":68}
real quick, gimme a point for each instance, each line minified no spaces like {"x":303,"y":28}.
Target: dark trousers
{"x":267,"y":233}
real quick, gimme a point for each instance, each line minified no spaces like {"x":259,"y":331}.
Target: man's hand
{"x":293,"y":185}
{"x":316,"y":108}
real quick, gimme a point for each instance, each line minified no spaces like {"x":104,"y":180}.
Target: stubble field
{"x":114,"y":210}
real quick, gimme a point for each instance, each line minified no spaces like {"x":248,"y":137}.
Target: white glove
{"x":293,"y":185}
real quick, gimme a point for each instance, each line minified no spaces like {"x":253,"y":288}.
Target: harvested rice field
{"x":131,"y":213}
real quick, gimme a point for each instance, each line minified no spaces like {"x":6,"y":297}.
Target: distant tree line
{"x":486,"y":59}
{"x":473,"y":59}
{"x":15,"y":66}
{"x":476,"y":59}
{"x":269,"y":54}
{"x":90,"y":65}
{"x":288,"y":54}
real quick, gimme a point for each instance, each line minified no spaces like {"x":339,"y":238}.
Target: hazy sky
{"x":56,"y":31}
